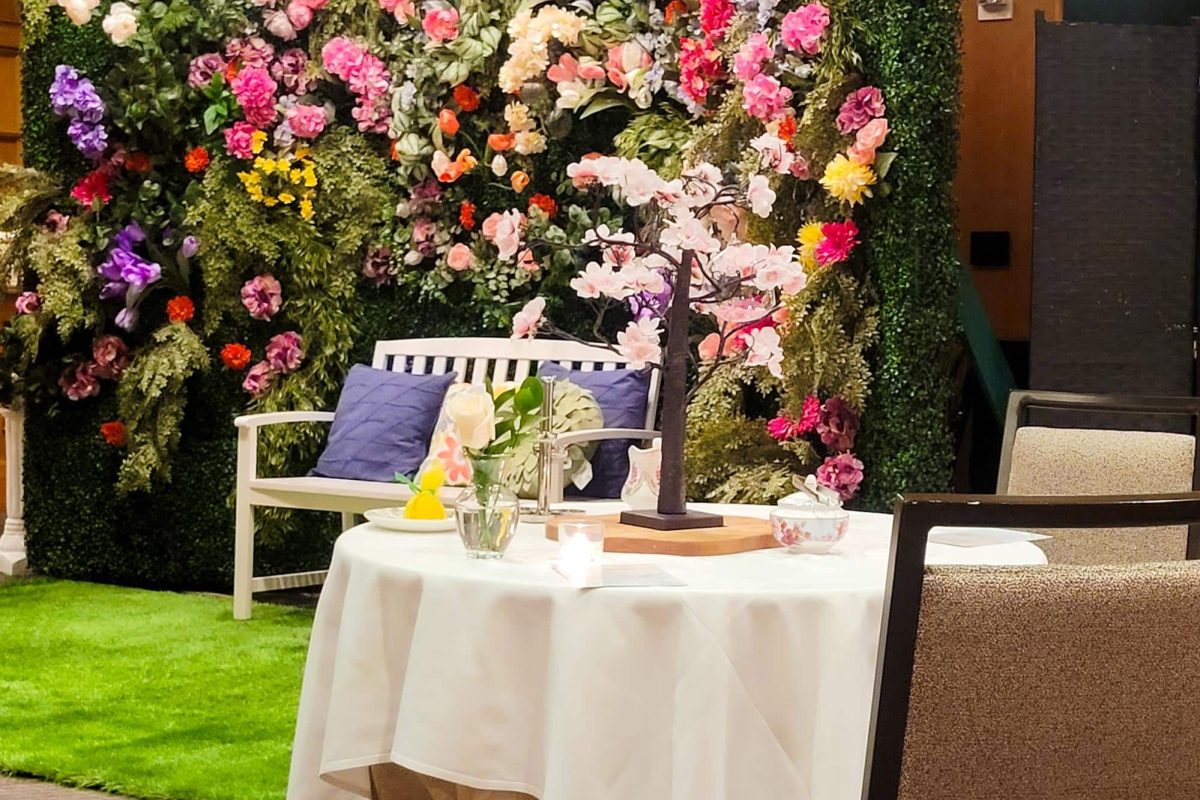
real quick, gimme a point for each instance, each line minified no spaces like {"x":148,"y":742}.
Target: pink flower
{"x":868,"y":140}
{"x":460,"y":257}
{"x":859,"y":108}
{"x":378,"y":265}
{"x":110,"y":355}
{"x":239,"y":139}
{"x":700,"y":63}
{"x":640,"y":342}
{"x":765,"y":98}
{"x":203,"y":68}
{"x":262,"y":296}
{"x":306,"y":122}
{"x":838,"y":425}
{"x":784,"y":428}
{"x":765,"y":350}
{"x":568,"y":68}
{"x":843,"y":473}
{"x":715,"y":16}
{"x":441,"y":24}
{"x":837,"y":242}
{"x":527,"y":321}
{"x":254,"y":89}
{"x":252,"y":52}
{"x":285,"y":351}
{"x":79,"y":381}
{"x":279,"y":24}
{"x":623,"y":60}
{"x":300,"y":14}
{"x":400,"y":9}
{"x":258,"y":378}
{"x":340,"y":56}
{"x":802,"y":29}
{"x":504,"y":231}
{"x":748,"y":61}
{"x":760,"y":196}
{"x":28,"y":303}
{"x":810,"y":414}
{"x":366,"y":76}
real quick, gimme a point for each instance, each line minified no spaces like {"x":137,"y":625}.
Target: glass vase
{"x":487,"y":512}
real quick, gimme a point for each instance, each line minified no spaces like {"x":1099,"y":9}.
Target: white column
{"x":12,"y":540}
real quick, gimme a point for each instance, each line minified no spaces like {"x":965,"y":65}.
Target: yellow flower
{"x":302,"y":152}
{"x":294,"y":175}
{"x":270,"y":202}
{"x":306,"y":209}
{"x":847,"y":180}
{"x":809,"y":237}
{"x":257,"y":140}
{"x":310,"y":176}
{"x":286,"y":198}
{"x":517,"y":116}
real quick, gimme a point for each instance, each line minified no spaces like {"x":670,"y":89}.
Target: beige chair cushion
{"x":1077,"y":461}
{"x":1056,"y":683}
{"x":393,"y":782}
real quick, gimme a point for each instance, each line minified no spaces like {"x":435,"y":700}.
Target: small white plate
{"x":394,"y":520}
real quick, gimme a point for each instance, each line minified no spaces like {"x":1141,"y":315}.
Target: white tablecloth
{"x":754,"y":680}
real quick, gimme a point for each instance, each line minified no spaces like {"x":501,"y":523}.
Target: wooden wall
{"x":994,"y":187}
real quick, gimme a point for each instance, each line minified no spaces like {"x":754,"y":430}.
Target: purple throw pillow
{"x":382,"y":424}
{"x":622,"y":395}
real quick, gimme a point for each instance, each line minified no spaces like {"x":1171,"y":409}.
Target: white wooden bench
{"x":473,"y":359}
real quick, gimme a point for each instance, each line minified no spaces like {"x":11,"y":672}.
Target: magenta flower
{"x":258,"y":378}
{"x":859,"y":108}
{"x":29,"y":303}
{"x":262,"y":296}
{"x":285,"y":351}
{"x":307,"y":122}
{"x":110,"y":355}
{"x":79,"y":381}
{"x":838,"y":239}
{"x":838,"y":425}
{"x":784,"y":428}
{"x":810,"y":415}
{"x":715,"y":16}
{"x":254,"y":89}
{"x":843,"y":473}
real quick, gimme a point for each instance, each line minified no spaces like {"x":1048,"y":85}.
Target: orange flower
{"x":466,"y":215}
{"x":113,"y":432}
{"x":448,"y":171}
{"x":448,"y":122}
{"x":196,"y":159}
{"x":231,"y":71}
{"x":394,"y":150}
{"x":180,"y":309}
{"x":787,"y":129}
{"x":519,"y":181}
{"x":466,"y":97}
{"x":501,"y":141}
{"x":673,"y":10}
{"x":545,"y":202}
{"x":235,"y":356}
{"x":137,"y":162}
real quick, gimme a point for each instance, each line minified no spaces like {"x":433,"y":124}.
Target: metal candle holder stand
{"x":546,"y":460}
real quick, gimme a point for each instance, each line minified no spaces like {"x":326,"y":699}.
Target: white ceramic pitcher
{"x":645,"y":473}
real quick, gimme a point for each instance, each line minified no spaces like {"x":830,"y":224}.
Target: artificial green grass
{"x":148,"y":694}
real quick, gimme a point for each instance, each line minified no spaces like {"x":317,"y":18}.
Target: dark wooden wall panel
{"x":1114,"y":250}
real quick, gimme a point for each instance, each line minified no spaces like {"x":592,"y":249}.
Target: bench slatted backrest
{"x":473,"y":359}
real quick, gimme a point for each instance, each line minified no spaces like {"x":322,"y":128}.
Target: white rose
{"x":499,"y":166}
{"x":474,"y":416}
{"x":121,"y":23}
{"x":79,"y":11}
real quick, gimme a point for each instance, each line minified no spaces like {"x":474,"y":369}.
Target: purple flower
{"x":110,"y":356}
{"x":859,"y":108}
{"x":189,"y":247}
{"x":378,"y":265}
{"x":424,"y":199}
{"x":89,"y":138}
{"x":64,"y":89}
{"x":647,"y":305}
{"x":129,"y":236}
{"x":28,"y":303}
{"x":79,"y":381}
{"x":135,"y":270}
{"x":843,"y":473}
{"x":56,"y":222}
{"x":424,"y":233}
{"x":838,"y":425}
{"x":262,"y":296}
{"x":127,"y":318}
{"x":203,"y":68}
{"x":291,"y":69}
{"x":258,"y":378}
{"x":284,"y":351}
{"x":75,"y":97}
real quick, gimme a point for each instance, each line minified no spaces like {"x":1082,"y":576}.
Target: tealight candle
{"x":580,"y":542}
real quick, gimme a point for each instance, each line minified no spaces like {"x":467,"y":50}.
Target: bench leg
{"x":243,"y":559}
{"x":349,"y":520}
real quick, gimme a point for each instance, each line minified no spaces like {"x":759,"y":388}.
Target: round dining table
{"x":753,"y":679}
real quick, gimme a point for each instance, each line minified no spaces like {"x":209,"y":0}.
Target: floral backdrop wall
{"x":233,"y":199}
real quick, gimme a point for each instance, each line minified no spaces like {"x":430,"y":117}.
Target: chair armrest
{"x":281,"y":417}
{"x":563,"y":440}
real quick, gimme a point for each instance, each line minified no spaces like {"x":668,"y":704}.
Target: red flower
{"x":466,"y":215}
{"x":92,"y":187}
{"x":231,"y":71}
{"x":113,"y":432}
{"x":448,"y":122}
{"x":236,"y":356}
{"x":787,"y":129}
{"x":196,"y":159}
{"x":137,"y":162}
{"x":466,"y":97}
{"x":180,"y":309}
{"x":674,"y":9}
{"x":840,"y":238}
{"x":545,"y":202}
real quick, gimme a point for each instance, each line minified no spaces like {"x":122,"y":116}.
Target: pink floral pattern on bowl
{"x":804,"y":533}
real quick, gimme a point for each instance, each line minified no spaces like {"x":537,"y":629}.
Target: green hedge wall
{"x":911,"y":52}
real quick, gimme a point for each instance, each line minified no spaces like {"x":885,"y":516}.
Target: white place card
{"x":981,"y":537}
{"x":605,"y":576}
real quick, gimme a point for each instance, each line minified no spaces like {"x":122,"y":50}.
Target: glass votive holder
{"x":580,"y":542}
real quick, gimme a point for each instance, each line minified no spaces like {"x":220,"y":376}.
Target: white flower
{"x":773,"y":153}
{"x":700,"y":184}
{"x":516,"y":114}
{"x":530,"y":143}
{"x":639,"y":184}
{"x":79,"y":11}
{"x":499,"y":166}
{"x":527,"y":321}
{"x":473,"y":414}
{"x":760,"y":195}
{"x":640,"y":278}
{"x":573,"y":94}
{"x":121,"y":23}
{"x":639,"y":343}
{"x":686,"y":232}
{"x":764,"y":350}
{"x":599,"y":280}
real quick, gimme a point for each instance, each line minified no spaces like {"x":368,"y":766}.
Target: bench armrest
{"x":281,"y":417}
{"x":564,"y":440}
